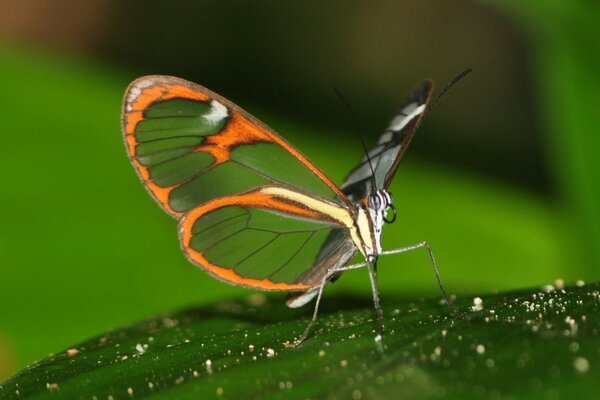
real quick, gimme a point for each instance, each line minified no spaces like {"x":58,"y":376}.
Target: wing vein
{"x":220,"y":222}
{"x":169,"y":138}
{"x":300,"y":231}
{"x":256,"y":251}
{"x":142,"y":131}
{"x":293,"y":255}
{"x":175,"y":117}
{"x":222,"y":240}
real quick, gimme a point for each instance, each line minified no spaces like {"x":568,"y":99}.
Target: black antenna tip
{"x":449,"y":86}
{"x":454,"y":81}
{"x":460,"y":76}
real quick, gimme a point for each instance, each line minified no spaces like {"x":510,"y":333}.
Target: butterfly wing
{"x":254,"y":211}
{"x":269,"y":238}
{"x":390,"y":147}
{"x":190,"y":145}
{"x":337,"y":250}
{"x":384,"y":156}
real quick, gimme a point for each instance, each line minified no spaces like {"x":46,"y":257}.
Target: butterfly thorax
{"x":369,"y":221}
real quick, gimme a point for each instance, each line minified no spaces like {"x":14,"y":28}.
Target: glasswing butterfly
{"x":254,"y":211}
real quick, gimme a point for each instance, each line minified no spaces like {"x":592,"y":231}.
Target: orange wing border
{"x":242,"y":128}
{"x":262,"y":198}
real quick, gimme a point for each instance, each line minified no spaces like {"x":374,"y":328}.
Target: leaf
{"x":528,"y":344}
{"x":76,"y":165}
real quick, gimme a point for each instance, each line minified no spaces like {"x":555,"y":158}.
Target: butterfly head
{"x":380,"y":202}
{"x":379,"y":205}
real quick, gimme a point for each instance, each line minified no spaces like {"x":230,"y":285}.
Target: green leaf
{"x":528,"y":344}
{"x":476,"y":227}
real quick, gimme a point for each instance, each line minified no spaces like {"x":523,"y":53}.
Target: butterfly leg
{"x":372,"y":267}
{"x":455,"y":311}
{"x":324,"y":281}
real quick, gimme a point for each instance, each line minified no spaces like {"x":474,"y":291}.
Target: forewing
{"x":390,"y":147}
{"x":190,"y":145}
{"x":339,"y":248}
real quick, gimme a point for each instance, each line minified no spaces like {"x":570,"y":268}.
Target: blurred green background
{"x":502,"y":178}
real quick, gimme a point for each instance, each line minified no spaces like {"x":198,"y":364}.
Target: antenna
{"x":449,"y":86}
{"x":360,"y":135}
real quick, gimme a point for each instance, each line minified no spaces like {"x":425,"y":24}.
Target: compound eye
{"x":374,"y":202}
{"x":390,"y":198}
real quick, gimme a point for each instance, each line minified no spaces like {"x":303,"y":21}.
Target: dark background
{"x":501,"y":178}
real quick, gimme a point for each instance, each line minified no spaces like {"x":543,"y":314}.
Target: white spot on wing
{"x":364,"y":172}
{"x":375,"y":151}
{"x":218,"y":112}
{"x":408,"y":114}
{"x":135,"y":92}
{"x":386,"y":137}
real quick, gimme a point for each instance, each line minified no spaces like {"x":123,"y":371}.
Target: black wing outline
{"x":391,"y":146}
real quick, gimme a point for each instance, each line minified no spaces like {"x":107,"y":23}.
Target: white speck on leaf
{"x":477,"y":304}
{"x":581,"y":365}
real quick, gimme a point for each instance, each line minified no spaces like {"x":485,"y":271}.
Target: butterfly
{"x":253,"y":210}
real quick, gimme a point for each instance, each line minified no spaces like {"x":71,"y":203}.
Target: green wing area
{"x":265,"y":249}
{"x":190,"y":145}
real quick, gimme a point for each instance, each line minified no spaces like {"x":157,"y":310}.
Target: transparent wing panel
{"x":190,"y":146}
{"x":258,"y":243}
